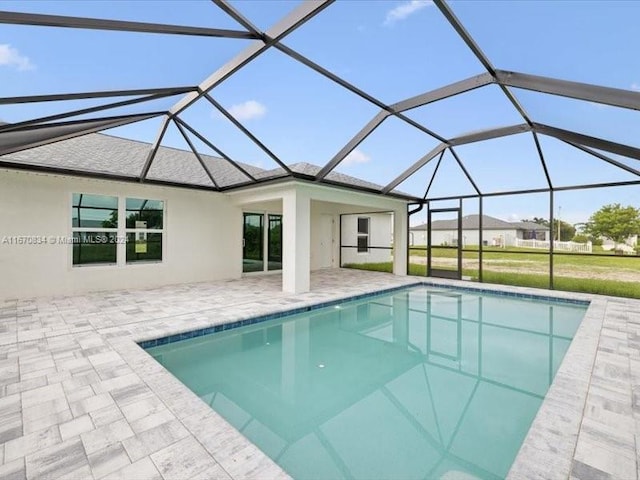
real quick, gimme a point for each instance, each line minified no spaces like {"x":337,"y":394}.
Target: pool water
{"x":418,"y":383}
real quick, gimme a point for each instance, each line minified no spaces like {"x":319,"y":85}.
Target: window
{"x":363,"y":234}
{"x":94,"y":221}
{"x":144,"y":227}
{"x":98,"y":228}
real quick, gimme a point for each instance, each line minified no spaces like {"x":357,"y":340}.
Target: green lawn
{"x":511,"y":253}
{"x":587,"y":285}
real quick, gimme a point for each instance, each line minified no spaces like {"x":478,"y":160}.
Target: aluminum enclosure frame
{"x":43,"y":130}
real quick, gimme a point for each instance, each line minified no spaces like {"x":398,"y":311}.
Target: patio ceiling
{"x":43,"y":130}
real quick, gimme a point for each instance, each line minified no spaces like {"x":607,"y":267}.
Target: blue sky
{"x":392,"y":50}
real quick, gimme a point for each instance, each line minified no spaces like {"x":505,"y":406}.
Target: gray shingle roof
{"x":530,"y":226}
{"x":310,"y":169}
{"x":98,"y":152}
{"x":102,"y":153}
{"x":472,"y":222}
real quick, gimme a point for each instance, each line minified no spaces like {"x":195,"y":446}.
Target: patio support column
{"x":296,"y":241}
{"x":400,"y":239}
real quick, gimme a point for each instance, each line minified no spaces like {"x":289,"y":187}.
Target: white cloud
{"x":356,"y":156}
{"x":11,"y":57}
{"x":404,"y":10}
{"x":248,"y":110}
{"x":635,"y":86}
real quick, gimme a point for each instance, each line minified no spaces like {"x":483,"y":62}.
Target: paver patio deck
{"x":79,"y":398}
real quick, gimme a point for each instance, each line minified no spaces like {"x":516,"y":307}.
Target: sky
{"x":392,"y":50}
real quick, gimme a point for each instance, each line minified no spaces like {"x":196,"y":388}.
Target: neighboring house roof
{"x":530,"y":226}
{"x":472,"y":222}
{"x":102,"y":153}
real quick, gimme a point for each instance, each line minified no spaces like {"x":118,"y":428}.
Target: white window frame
{"x":92,"y":229}
{"x":360,"y":235}
{"x":127,"y":231}
{"x":121,"y":233}
{"x":265,"y":239}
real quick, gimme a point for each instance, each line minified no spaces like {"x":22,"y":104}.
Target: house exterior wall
{"x":542,"y":235}
{"x":202,"y":234}
{"x":469,"y":237}
{"x":328,"y":202}
{"x":380,"y":235}
{"x":202,"y":237}
{"x":325,"y":246}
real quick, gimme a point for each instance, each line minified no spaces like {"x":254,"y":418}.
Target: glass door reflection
{"x":274,"y":243}
{"x":252,"y":243}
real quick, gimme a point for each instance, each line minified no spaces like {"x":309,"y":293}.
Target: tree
{"x":564,"y":230}
{"x":614,"y":222}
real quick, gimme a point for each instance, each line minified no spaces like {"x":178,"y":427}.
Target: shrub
{"x":597,"y":242}
{"x":580,"y":238}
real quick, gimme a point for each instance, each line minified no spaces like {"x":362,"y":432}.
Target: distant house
{"x":496,"y":232}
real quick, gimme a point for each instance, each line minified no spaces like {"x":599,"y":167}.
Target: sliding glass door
{"x":256,"y":240}
{"x":274,"y":243}
{"x":253,"y":243}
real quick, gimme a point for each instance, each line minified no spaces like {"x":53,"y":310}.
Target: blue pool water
{"x":418,"y":383}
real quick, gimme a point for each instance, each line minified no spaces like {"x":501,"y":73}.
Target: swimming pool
{"x":418,"y":383}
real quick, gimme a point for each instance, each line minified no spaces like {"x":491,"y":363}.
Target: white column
{"x":296,"y":242}
{"x":400,"y":219}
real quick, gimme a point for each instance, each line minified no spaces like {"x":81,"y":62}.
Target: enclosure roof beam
{"x":37,"y":135}
{"x":489,"y":134}
{"x":414,"y":168}
{"x":83,"y":111}
{"x":301,"y":14}
{"x":195,"y":152}
{"x":588,"y":141}
{"x":441,"y":93}
{"x":543,"y":162}
{"x":154,"y":148}
{"x":397,"y":108}
{"x":465,"y":171}
{"x":482,"y":58}
{"x":214,"y":148}
{"x":433,"y":176}
{"x":353,"y":143}
{"x":230,"y":10}
{"x":604,"y":158}
{"x":581,"y":91}
{"x":570,"y":188}
{"x":244,"y":130}
{"x":237,"y":16}
{"x":465,"y":36}
{"x":355,"y":90}
{"x":44,"y":20}
{"x":462,"y":140}
{"x":56,"y":97}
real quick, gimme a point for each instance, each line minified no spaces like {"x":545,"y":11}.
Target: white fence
{"x":566,"y":246}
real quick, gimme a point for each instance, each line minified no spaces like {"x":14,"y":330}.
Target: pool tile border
{"x":200,"y":332}
{"x":547,"y":451}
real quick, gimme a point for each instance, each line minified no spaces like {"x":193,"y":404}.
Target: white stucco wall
{"x":380,"y":235}
{"x":202,"y":236}
{"x":326,"y":203}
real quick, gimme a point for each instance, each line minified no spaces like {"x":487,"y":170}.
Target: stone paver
{"x":79,"y":398}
